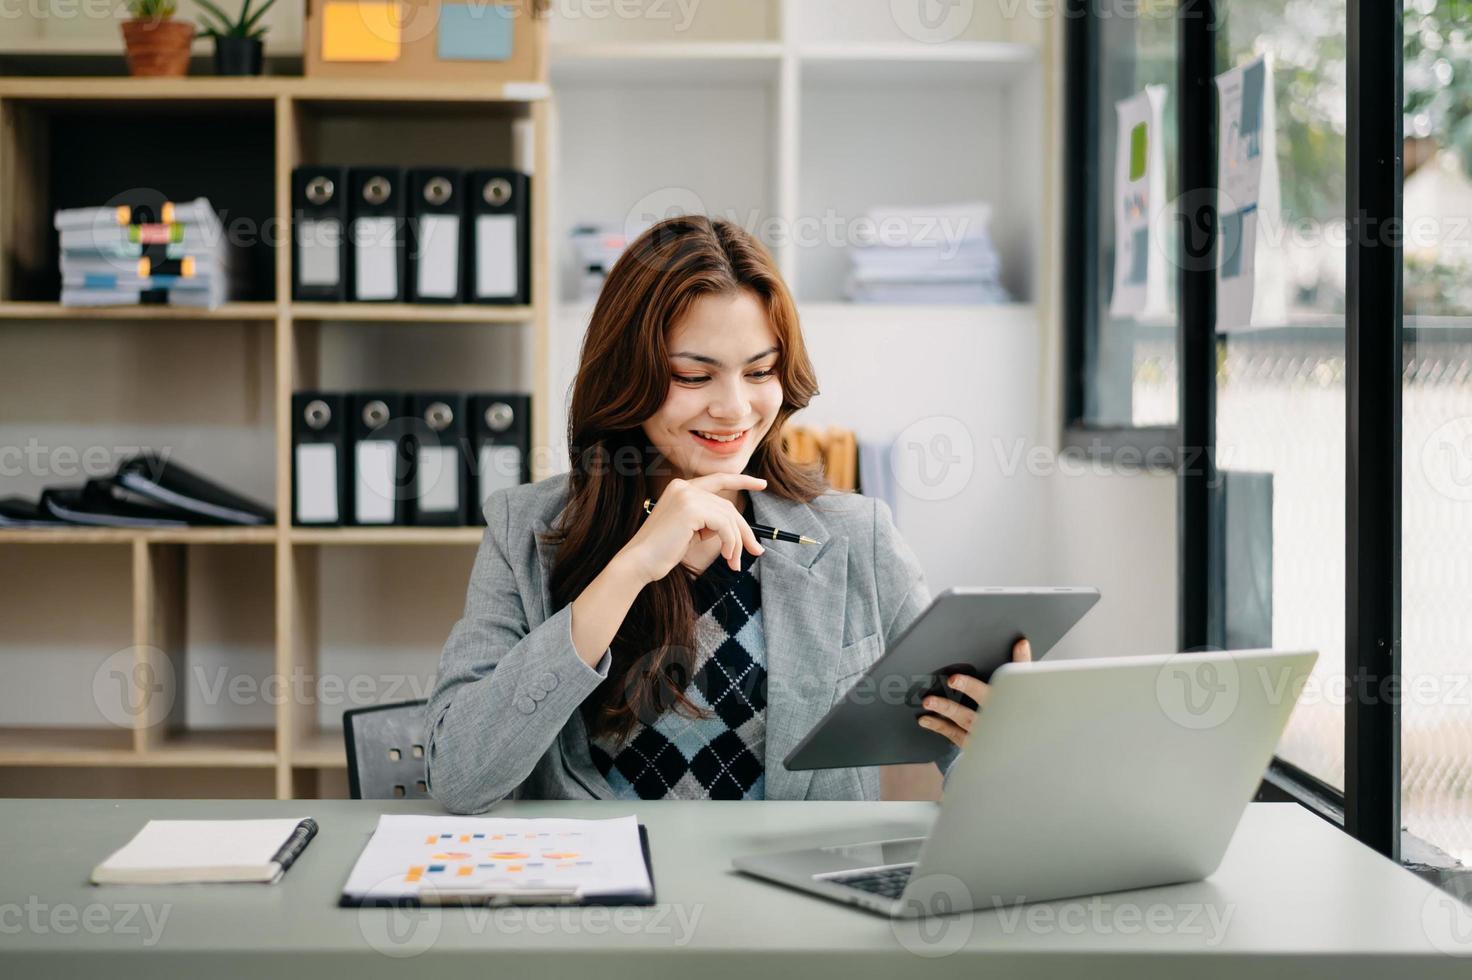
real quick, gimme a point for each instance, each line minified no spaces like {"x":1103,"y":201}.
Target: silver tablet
{"x":965,"y":630}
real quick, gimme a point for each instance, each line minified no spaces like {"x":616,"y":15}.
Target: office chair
{"x":385,"y":745}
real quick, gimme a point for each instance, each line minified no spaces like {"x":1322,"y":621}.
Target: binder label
{"x":439,"y":255}
{"x":436,"y":484}
{"x":374,"y":488}
{"x":316,"y":484}
{"x":495,"y":255}
{"x":320,"y":239}
{"x":500,"y":467}
{"x":378,"y":260}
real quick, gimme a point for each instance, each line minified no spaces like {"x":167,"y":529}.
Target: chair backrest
{"x":385,"y":746}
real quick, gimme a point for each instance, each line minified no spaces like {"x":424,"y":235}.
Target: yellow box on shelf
{"x":361,"y":30}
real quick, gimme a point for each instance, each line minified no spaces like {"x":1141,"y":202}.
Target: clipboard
{"x":470,"y":898}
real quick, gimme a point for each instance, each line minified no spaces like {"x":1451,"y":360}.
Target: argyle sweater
{"x":715,"y":758}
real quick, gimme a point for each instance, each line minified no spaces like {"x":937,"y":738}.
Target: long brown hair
{"x":623,"y":378}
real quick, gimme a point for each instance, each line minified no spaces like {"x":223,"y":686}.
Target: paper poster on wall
{"x":1251,"y":283}
{"x":1140,"y":288}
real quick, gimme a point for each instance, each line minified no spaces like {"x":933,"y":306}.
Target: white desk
{"x":1294,"y":897}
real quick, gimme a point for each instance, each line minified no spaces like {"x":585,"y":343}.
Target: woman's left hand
{"x":953,"y":720}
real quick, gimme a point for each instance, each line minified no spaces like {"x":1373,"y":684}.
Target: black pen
{"x":760,"y":530}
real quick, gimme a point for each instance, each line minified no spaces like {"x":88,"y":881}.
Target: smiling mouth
{"x":725,"y":441}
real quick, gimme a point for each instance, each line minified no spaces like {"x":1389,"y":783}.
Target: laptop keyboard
{"x":888,"y":882}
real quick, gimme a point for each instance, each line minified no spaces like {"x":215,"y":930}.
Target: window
{"x":1280,"y":396}
{"x":1315,"y":442}
{"x":1436,"y":408}
{"x":1123,"y":370}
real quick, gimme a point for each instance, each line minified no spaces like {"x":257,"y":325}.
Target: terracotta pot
{"x":158,"y":47}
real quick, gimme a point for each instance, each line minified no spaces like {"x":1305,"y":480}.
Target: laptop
{"x":1080,"y":777}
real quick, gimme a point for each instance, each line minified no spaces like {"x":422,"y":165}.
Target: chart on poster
{"x":1250,"y":270}
{"x":1140,"y":287}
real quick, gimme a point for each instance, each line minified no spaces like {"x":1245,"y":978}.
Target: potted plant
{"x":238,"y":45}
{"x":156,"y":43}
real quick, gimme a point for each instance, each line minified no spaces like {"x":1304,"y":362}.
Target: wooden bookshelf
{"x":306,"y":120}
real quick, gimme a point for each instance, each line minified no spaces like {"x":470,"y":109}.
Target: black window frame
{"x":1369,"y":806}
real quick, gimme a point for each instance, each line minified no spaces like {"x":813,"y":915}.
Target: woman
{"x":612,"y":649}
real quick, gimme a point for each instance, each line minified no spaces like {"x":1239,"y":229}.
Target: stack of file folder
{"x":920,"y":255}
{"x":169,"y":253}
{"x":435,"y":234}
{"x":146,"y":490}
{"x":393,"y":458}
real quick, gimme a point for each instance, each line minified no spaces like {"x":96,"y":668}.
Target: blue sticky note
{"x":475,"y":31}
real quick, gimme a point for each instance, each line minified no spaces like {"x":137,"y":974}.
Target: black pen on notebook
{"x":760,"y":530}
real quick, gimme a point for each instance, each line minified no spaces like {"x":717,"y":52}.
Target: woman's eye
{"x":695,"y":379}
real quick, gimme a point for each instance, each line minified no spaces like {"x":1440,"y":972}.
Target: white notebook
{"x":169,"y":852}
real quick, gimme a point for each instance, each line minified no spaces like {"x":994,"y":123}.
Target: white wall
{"x":1118,"y":534}
{"x":956,"y":390}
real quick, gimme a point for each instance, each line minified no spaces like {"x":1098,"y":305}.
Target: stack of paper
{"x":935,"y":254}
{"x":126,"y":255}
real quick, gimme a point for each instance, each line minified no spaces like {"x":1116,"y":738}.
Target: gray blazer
{"x":503,"y":719}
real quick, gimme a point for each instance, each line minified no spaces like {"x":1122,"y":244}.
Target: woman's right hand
{"x":688,"y":513}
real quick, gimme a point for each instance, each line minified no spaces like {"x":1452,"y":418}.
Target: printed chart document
{"x":1140,"y":287}
{"x":496,"y":860}
{"x":1251,"y":269}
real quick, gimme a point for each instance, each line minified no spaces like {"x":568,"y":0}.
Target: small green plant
{"x":152,"y":9}
{"x":221,"y":25}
